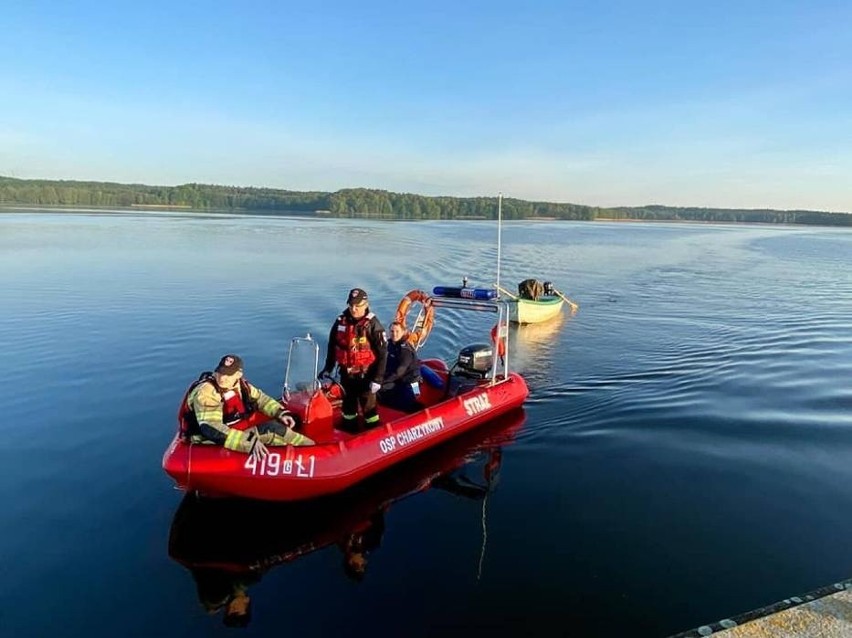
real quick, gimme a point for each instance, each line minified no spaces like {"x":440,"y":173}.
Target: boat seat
{"x":431,"y":377}
{"x":460,"y":384}
{"x":433,"y":387}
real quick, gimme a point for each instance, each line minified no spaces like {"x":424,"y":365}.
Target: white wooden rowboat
{"x":529,"y":311}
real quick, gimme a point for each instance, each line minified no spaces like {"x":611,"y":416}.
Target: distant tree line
{"x":723,"y":215}
{"x":366,"y":203}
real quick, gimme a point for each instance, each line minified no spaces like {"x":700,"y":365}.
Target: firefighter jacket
{"x":358,"y":346}
{"x":221,"y":414}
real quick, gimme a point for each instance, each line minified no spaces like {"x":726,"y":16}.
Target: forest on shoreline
{"x":365,"y":203}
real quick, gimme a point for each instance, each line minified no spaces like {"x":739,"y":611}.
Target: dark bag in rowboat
{"x":530,"y":289}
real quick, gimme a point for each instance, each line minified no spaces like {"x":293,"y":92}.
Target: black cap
{"x":229,"y":364}
{"x":357,"y":296}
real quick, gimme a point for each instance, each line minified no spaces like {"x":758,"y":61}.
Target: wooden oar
{"x":574,"y":307}
{"x":506,"y":292}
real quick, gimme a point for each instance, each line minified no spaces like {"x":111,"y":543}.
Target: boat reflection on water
{"x":534,"y":343}
{"x":270,"y":534}
{"x":532,"y":335}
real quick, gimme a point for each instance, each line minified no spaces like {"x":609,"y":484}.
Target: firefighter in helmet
{"x":219,"y":405}
{"x":357,"y":344}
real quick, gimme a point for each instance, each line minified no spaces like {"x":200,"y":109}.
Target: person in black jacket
{"x":357,"y":344}
{"x":401,"y":384}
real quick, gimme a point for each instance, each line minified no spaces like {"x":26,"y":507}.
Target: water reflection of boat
{"x":252,"y":537}
{"x":533,"y":335}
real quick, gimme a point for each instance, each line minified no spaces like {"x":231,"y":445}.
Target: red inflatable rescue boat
{"x":478,"y":387}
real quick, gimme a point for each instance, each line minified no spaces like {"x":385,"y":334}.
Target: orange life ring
{"x":425,"y":318}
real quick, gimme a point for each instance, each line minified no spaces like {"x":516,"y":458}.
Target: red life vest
{"x":353,"y":351}
{"x":237,"y":406}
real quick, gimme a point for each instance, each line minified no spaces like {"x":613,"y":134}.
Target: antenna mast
{"x":499,"y":235}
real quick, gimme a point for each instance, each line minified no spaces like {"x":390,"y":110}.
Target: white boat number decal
{"x":272,"y":465}
{"x":477,"y":404}
{"x":401,"y":439}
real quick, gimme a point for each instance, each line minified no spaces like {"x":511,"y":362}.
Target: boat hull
{"x":297,"y":473}
{"x":529,"y":311}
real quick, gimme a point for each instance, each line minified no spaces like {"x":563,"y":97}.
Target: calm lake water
{"x":684,"y":455}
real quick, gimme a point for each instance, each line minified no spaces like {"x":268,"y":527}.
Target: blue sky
{"x":731,"y":104}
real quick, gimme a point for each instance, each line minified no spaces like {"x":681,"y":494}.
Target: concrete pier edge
{"x":762,"y":612}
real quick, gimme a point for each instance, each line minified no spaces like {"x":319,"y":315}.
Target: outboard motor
{"x":475,"y":361}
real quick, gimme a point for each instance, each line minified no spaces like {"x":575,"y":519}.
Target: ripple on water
{"x":693,"y":414}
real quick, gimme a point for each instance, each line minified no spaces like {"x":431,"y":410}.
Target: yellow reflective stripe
{"x":212,"y":416}
{"x":298,"y":439}
{"x":349,"y":417}
{"x":232,"y":442}
{"x":372,"y":419}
